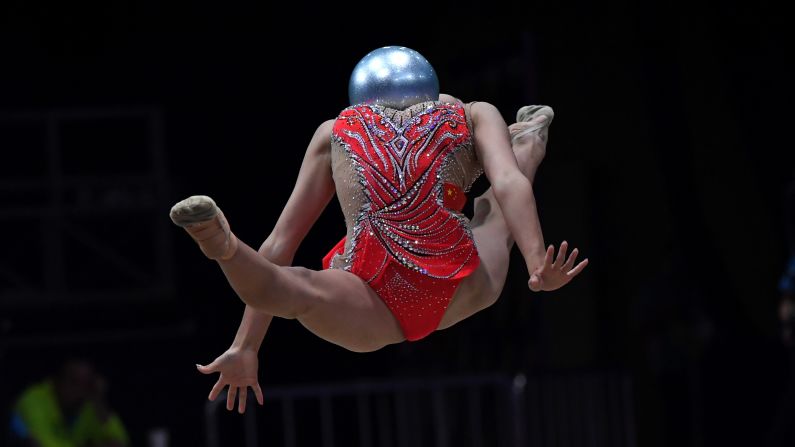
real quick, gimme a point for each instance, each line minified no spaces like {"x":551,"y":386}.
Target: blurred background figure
{"x":67,"y":410}
{"x":784,"y":429}
{"x":787,"y":283}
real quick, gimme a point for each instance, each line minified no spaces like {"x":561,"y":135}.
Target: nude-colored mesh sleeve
{"x":350,"y":194}
{"x":464,"y":166}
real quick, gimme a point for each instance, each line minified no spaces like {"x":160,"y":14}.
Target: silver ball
{"x":394,"y":77}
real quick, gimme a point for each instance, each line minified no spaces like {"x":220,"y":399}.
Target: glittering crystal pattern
{"x":397,"y":173}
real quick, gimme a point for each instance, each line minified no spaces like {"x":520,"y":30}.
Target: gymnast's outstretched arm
{"x":514,"y":194}
{"x":513,"y":191}
{"x":313,"y":190}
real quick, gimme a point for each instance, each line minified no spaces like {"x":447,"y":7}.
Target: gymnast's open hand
{"x":554,"y":275}
{"x":238,"y":368}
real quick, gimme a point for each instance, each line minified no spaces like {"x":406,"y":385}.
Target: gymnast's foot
{"x":529,"y":137}
{"x":206,"y":224}
{"x":532,"y":120}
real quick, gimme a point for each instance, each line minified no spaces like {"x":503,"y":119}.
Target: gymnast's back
{"x":401,"y":176}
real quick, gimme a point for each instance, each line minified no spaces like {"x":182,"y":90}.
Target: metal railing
{"x":493,"y":410}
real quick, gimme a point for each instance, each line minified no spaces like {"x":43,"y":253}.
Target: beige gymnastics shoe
{"x":206,"y":224}
{"x":529,"y":119}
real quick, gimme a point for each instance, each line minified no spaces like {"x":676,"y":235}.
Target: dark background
{"x":667,"y":165}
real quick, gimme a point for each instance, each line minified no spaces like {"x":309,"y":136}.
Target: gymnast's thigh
{"x":347,"y":312}
{"x":482,"y":288}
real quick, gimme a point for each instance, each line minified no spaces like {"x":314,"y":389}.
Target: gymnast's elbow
{"x":509,"y":182}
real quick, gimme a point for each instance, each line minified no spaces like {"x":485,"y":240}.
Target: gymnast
{"x":400,"y":160}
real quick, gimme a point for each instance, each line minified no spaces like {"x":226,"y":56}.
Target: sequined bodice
{"x":389,"y":167}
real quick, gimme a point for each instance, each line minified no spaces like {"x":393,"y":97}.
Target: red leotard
{"x":400,"y":178}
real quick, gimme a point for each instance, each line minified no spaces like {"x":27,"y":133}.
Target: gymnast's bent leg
{"x":333,"y":304}
{"x":489,"y":227}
